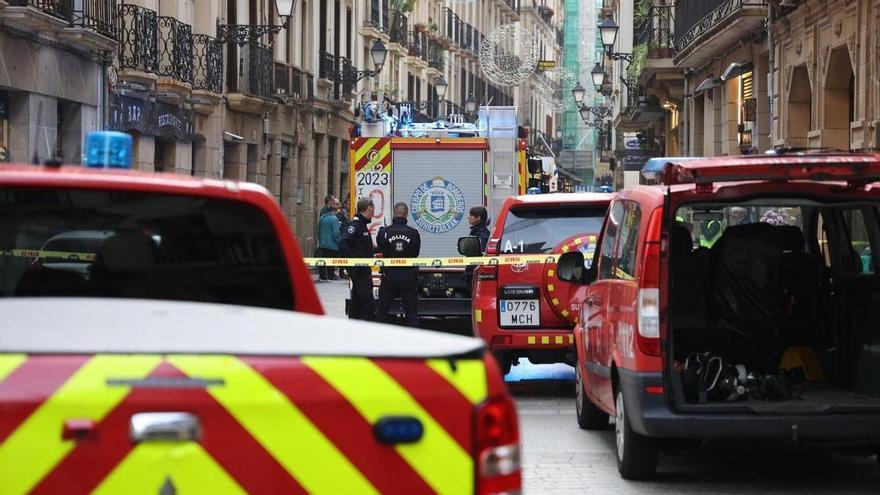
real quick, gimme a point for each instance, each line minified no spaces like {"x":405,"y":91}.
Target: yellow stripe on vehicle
{"x":9,"y":363}
{"x":558,"y":339}
{"x":366,"y":147}
{"x":550,"y":288}
{"x":186,"y":466}
{"x":545,"y":339}
{"x":31,"y":452}
{"x":437,"y":457}
{"x":478,"y":315}
{"x":278,"y":425}
{"x":532,"y":339}
{"x":469,"y":376}
{"x":385,"y":151}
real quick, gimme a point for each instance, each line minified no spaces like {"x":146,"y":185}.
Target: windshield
{"x":540,"y":230}
{"x":62,"y":242}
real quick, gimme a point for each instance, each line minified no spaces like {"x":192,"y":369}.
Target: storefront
{"x":163,"y":133}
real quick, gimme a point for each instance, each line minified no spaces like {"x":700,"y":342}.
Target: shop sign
{"x":634,"y":160}
{"x":154,"y":119}
{"x":545,"y":65}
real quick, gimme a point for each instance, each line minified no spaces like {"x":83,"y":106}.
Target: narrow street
{"x":560,"y":458}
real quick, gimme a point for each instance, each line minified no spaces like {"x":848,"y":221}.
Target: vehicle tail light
{"x":498,"y":451}
{"x":649,"y":294}
{"x":492,"y":246}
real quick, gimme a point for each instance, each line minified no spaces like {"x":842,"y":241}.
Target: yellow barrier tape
{"x":524,"y":259}
{"x":37,"y":253}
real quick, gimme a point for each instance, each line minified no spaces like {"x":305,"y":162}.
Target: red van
{"x":737,"y":300}
{"x":523,"y":310}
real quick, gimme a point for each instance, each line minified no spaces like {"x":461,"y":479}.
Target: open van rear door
{"x":855,"y":170}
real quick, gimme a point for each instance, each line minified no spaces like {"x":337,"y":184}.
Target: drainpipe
{"x":686,"y":121}
{"x":771,"y":68}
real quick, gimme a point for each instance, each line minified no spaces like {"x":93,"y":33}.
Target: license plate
{"x":519,"y":312}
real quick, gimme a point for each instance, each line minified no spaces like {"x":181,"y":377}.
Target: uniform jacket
{"x":356,"y":241}
{"x":482,"y":233}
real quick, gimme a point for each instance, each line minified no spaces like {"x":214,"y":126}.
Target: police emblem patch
{"x":437,"y":205}
{"x":351,"y":229}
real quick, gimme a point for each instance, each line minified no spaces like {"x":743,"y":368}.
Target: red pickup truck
{"x":148,"y":344}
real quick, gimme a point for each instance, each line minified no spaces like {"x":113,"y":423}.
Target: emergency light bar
{"x":108,"y":149}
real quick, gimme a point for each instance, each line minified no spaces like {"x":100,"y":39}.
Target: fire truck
{"x":440,"y":169}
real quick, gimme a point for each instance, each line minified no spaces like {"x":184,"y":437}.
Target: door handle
{"x":165,"y":426}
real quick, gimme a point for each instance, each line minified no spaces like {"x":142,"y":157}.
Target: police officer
{"x":356,"y":242}
{"x":399,"y":240}
{"x":478,"y":218}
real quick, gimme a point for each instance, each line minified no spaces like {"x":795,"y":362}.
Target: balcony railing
{"x":207,"y":64}
{"x":175,"y":49}
{"x":656,"y":29}
{"x":255,"y":70}
{"x":95,"y":15}
{"x":339,"y":70}
{"x":282,"y":79}
{"x":296,"y":83}
{"x":513,"y":4}
{"x":696,"y":17}
{"x":310,"y":86}
{"x":418,"y":45}
{"x":399,"y":31}
{"x":138,"y":32}
{"x":61,"y":9}
{"x":435,"y":55}
{"x":99,"y":16}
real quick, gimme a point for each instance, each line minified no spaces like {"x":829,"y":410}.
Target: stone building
{"x":826,"y":80}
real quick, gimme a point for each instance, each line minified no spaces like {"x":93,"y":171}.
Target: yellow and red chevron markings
{"x":372,"y":152}
{"x":269,"y":424}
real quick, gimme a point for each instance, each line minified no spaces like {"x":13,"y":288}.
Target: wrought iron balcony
{"x":62,"y":9}
{"x":341,"y":72}
{"x":418,"y":45}
{"x":513,"y":5}
{"x":138,"y":32}
{"x":99,"y":16}
{"x":207,"y":64}
{"x":255,"y":75}
{"x":296,"y":83}
{"x":435,"y":55}
{"x":697,"y":20}
{"x":175,"y":49}
{"x":378,"y":17}
{"x":282,"y":80}
{"x":656,"y":30}
{"x":399,"y":31}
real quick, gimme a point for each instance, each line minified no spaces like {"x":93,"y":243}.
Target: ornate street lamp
{"x":608,"y":30}
{"x":470,"y":105}
{"x":598,"y":76}
{"x":378,"y":53}
{"x":578,"y":92}
{"x":247,"y":33}
{"x":441,"y":86}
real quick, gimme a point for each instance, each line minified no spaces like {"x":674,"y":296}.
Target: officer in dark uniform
{"x":356,"y":242}
{"x":478,"y":219}
{"x":399,"y":240}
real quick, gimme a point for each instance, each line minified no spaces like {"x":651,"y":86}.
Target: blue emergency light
{"x":108,"y":149}
{"x":394,"y":430}
{"x":533,"y":190}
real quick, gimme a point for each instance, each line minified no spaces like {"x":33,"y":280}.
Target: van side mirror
{"x":570,"y":267}
{"x":469,"y":246}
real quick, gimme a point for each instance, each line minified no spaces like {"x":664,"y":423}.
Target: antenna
{"x":36,"y":158}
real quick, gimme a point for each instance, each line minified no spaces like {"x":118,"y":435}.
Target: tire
{"x":636,"y":454}
{"x":589,"y":416}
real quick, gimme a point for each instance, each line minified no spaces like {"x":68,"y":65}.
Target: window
{"x":92,"y":243}
{"x":541,"y":230}
{"x":628,"y":244}
{"x":607,"y":258}
{"x":857,"y":233}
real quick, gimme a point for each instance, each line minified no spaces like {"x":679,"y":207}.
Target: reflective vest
{"x":707,"y":240}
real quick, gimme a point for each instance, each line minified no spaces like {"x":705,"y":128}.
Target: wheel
{"x":589,"y":416}
{"x":504,"y":363}
{"x":636,"y":454}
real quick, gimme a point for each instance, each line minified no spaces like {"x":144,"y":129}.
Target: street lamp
{"x":378,"y":52}
{"x":578,"y":92}
{"x":608,"y":30}
{"x":441,"y":86}
{"x":585,"y":113}
{"x":251,"y":33}
{"x":598,"y":75}
{"x":470,"y":105}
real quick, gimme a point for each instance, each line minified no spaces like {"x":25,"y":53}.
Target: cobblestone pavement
{"x":560,"y":458}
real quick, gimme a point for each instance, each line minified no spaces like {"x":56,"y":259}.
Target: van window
{"x":628,"y":244}
{"x":539,"y":230}
{"x":92,"y":243}
{"x":608,"y":256}
{"x":857,"y":232}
